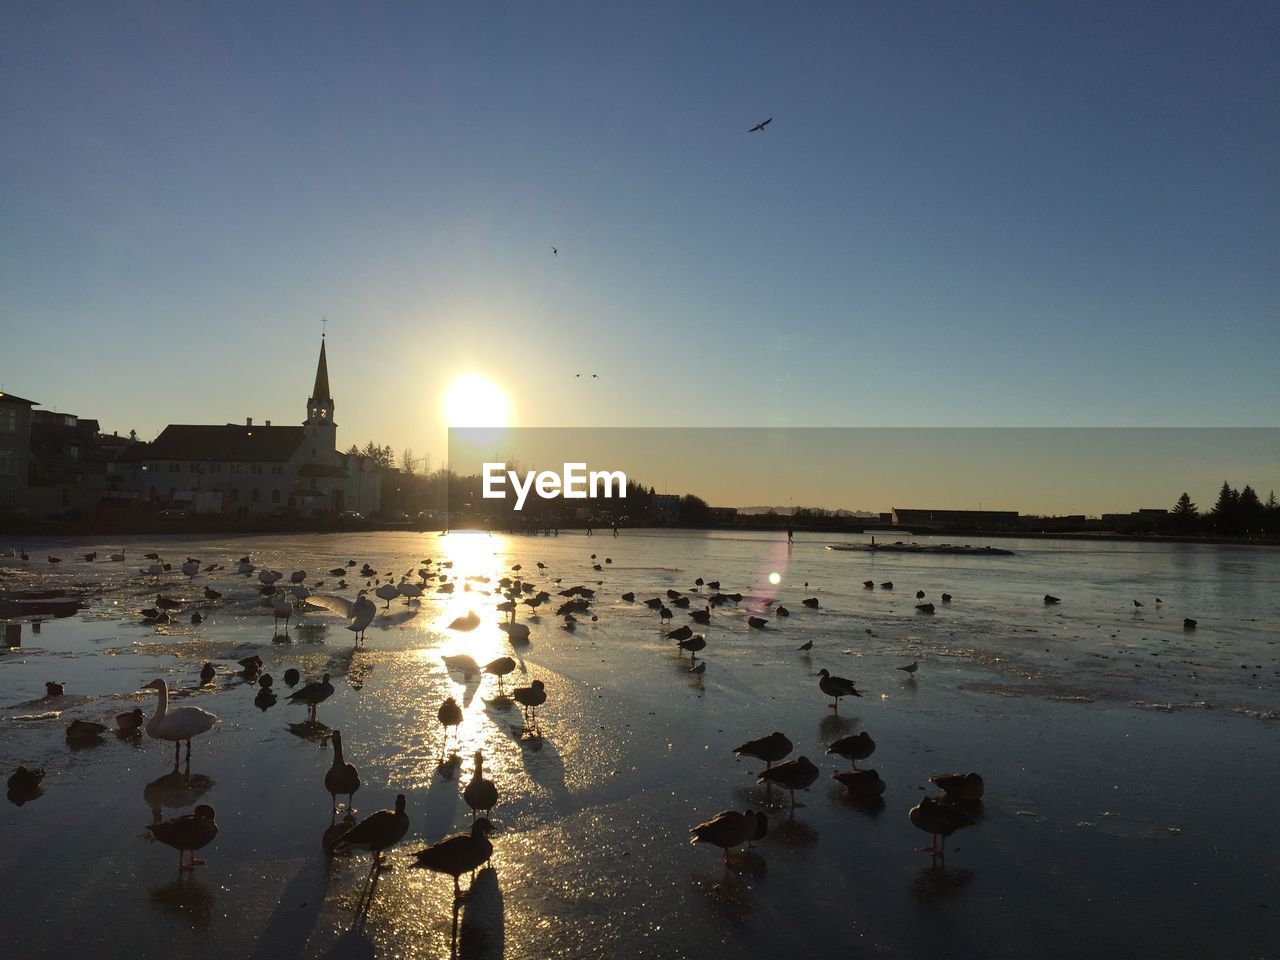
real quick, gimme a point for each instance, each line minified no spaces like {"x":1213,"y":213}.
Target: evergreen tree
{"x":1185,"y":508}
{"x":1225,"y":512}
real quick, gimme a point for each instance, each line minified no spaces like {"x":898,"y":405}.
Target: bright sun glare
{"x":476,"y":401}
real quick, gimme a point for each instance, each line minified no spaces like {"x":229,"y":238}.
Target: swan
{"x":281,"y":609}
{"x":342,"y":777}
{"x":181,"y":723}
{"x":410,"y":591}
{"x":358,"y":613}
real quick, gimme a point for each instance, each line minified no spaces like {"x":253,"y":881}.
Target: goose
{"x":179,"y":724}
{"x":386,"y":592}
{"x":342,"y":777}
{"x":770,"y":749}
{"x":129,"y":723}
{"x":531,"y":698}
{"x":466,"y":623}
{"x":460,"y":853}
{"x":792,"y":775}
{"x":449,"y":715}
{"x":83,"y":732}
{"x":862,"y":785}
{"x":938,"y":819}
{"x":313,"y":694}
{"x":358,"y":613}
{"x":480,"y":794}
{"x":964,"y":787}
{"x":462,"y":663}
{"x":836,"y":687}
{"x":52,"y":689}
{"x":379,"y":831}
{"x":190,"y":832}
{"x":726,"y":830}
{"x":500,"y":668}
{"x":855,"y":747}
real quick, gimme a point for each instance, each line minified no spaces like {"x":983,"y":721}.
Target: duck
{"x":680,"y":633}
{"x":129,"y":723}
{"x":188,"y":833}
{"x":207,"y":673}
{"x":946,"y":598}
{"x":925,"y":607}
{"x":693,"y":645}
{"x":387,"y":592}
{"x":726,"y":830}
{"x":292,"y":676}
{"x":466,"y":623}
{"x":793,"y":775}
{"x":1050,"y":599}
{"x":462,"y":663}
{"x":179,"y":724}
{"x":449,"y":715}
{"x":52,"y":689}
{"x":500,"y":668}
{"x":807,"y":645}
{"x":197,"y":618}
{"x":781,"y":611}
{"x":963,"y":787}
{"x":378,"y":832}
{"x":770,"y":749}
{"x":938,"y":818}
{"x":864,"y":785}
{"x":83,"y":732}
{"x":701,"y":617}
{"x":836,"y":687}
{"x":212,"y":594}
{"x":480,"y":794}
{"x":460,"y":853}
{"x":313,"y":694}
{"x":531,"y":698}
{"x":855,"y":747}
{"x":24,"y":783}
{"x":341,"y":777}
{"x":887,"y":585}
{"x":869,"y":584}
{"x":756,"y":623}
{"x":810,"y":602}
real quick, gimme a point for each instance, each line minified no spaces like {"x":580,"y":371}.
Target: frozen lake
{"x":1130,"y":764}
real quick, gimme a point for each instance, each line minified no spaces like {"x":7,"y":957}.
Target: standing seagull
{"x":358,"y":613}
{"x":759,"y":127}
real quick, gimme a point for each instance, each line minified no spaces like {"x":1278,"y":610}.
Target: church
{"x":249,"y":468}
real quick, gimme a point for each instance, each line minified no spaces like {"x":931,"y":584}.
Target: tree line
{"x":1237,"y":513}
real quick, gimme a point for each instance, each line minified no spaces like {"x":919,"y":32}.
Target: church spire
{"x":320,"y":391}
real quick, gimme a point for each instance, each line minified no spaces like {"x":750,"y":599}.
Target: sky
{"x":963,"y":214}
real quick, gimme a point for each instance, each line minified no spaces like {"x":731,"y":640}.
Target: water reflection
{"x":833,"y":725}
{"x":187,"y":897}
{"x":312,"y":730}
{"x":174,"y":791}
{"x":936,"y":882}
{"x":793,"y":833}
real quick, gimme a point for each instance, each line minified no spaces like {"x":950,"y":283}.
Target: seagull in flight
{"x":760,"y":126}
{"x":555,"y":252}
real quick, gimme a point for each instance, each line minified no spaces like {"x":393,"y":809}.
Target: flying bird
{"x":555,"y":252}
{"x":760,"y":126}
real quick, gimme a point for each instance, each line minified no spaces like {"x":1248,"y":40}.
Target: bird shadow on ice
{"x":312,"y":632}
{"x":936,"y":882}
{"x":175,"y":790}
{"x":482,"y":933}
{"x":728,"y":893}
{"x":545,"y":766}
{"x":440,"y":805}
{"x":315,"y":732}
{"x":188,"y":898}
{"x":399,"y":618}
{"x":298,"y":906}
{"x":833,"y":725}
{"x":793,"y":833}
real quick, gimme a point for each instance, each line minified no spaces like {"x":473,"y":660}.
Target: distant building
{"x":237,"y":469}
{"x":70,"y":463}
{"x":955,"y":519}
{"x":1145,"y":518}
{"x":15,"y":446}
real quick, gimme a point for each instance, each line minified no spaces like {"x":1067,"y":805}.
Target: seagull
{"x":359,"y":613}
{"x":555,"y":252}
{"x":759,"y":127}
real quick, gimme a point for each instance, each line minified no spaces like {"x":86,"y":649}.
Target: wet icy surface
{"x":1130,"y":764}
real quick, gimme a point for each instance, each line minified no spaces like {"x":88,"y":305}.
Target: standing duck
{"x":770,"y":749}
{"x":377,"y":832}
{"x":342,"y":777}
{"x":449,"y":715}
{"x":836,"y":687}
{"x":793,"y":775}
{"x":531,"y":698}
{"x":129,"y":723}
{"x":207,"y":673}
{"x":84,"y":732}
{"x":179,"y":724}
{"x":313,"y":694}
{"x":726,"y":830}
{"x":459,"y":854}
{"x":480,"y":794}
{"x":938,"y":819}
{"x":500,"y":668}
{"x":863,"y":785}
{"x":52,"y":689}
{"x":187,"y":833}
{"x":855,"y":747}
{"x":962,"y":787}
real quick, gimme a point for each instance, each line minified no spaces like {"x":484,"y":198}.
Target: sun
{"x":474,"y":400}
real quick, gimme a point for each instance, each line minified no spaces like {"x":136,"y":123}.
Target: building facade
{"x":15,"y":451}
{"x":256,"y":469}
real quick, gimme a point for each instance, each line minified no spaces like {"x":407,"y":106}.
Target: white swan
{"x":178,"y":724}
{"x":358,"y":613}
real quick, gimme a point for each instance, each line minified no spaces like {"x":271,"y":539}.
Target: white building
{"x":250,"y":468}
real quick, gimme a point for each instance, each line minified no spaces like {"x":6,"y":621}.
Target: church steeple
{"x":320,"y":404}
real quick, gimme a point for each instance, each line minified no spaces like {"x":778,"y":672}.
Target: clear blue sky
{"x":979,"y":214}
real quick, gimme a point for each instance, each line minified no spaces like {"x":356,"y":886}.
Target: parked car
{"x":174,"y":513}
{"x":350,"y":515}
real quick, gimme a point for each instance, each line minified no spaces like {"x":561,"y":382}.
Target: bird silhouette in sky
{"x":760,"y":126}
{"x":555,"y":252}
